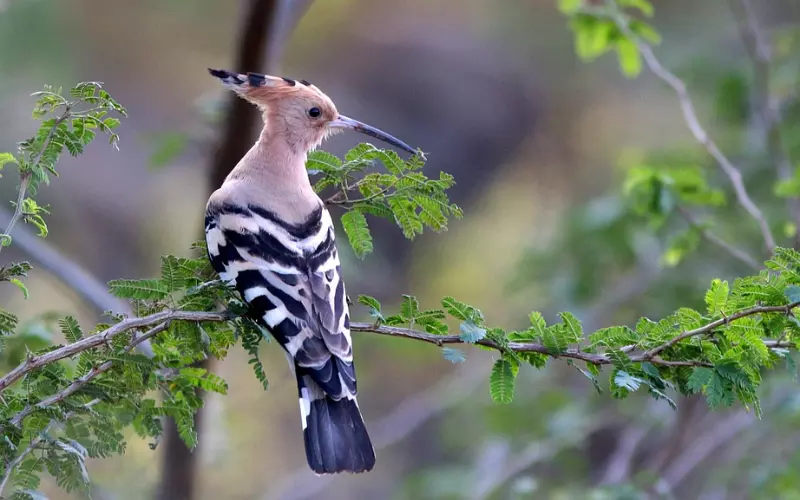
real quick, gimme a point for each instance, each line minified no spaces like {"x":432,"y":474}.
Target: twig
{"x":88,"y":377}
{"x":690,"y":116}
{"x":534,"y":453}
{"x":595,"y":359}
{"x":650,"y":355}
{"x":34,"y":362}
{"x":734,"y":251}
{"x":620,"y":462}
{"x":25,"y":177}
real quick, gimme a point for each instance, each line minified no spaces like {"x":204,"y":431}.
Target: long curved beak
{"x":349,"y":123}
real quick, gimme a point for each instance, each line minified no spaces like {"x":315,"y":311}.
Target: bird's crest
{"x":260,"y":89}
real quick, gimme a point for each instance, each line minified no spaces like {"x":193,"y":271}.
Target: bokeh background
{"x":538,"y":142}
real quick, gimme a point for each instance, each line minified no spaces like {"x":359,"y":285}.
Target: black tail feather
{"x":335,"y":436}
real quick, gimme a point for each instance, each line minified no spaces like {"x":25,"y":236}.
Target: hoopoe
{"x":270,"y":236}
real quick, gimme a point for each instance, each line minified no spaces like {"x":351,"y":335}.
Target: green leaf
{"x":406,"y":217}
{"x":172,"y":275}
{"x":572,"y":327}
{"x":355,"y":226}
{"x":20,"y":285}
{"x":555,"y":338}
{"x":6,"y":158}
{"x":147,"y":289}
{"x":71,"y":329}
{"x":470,"y":332}
{"x":373,"y":305}
{"x":644,"y":30}
{"x":455,"y":356}
{"x":538,"y":325}
{"x":462,"y":311}
{"x":643,"y":5}
{"x":503,"y":380}
{"x":409,"y":308}
{"x":717,"y":297}
{"x":594,"y":39}
{"x":719,"y":391}
{"x":627,"y":381}
{"x":630,"y":61}
{"x":569,"y":6}
{"x":202,"y":378}
{"x":614,"y":335}
{"x":699,"y":379}
{"x":8,"y":322}
{"x":321,"y":161}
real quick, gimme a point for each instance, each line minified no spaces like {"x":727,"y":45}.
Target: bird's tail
{"x":334,"y":433}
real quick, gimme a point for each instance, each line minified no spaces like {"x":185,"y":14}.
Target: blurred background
{"x":538,"y":142}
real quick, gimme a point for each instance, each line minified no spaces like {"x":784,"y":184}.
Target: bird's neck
{"x":275,"y":176}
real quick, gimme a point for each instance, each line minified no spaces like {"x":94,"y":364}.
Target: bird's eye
{"x":314,"y":112}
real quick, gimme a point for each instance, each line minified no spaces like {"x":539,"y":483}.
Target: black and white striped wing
{"x":290,"y":277}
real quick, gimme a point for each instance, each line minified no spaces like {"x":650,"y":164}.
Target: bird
{"x":270,"y":237}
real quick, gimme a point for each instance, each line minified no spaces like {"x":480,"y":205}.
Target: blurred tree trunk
{"x":179,"y":470}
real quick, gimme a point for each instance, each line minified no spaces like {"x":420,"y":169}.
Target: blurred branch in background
{"x":733,"y":173}
{"x":490,"y":477}
{"x":766,"y":110}
{"x":93,"y":291}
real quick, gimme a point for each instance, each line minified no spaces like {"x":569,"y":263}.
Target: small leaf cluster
{"x":597,"y":30}
{"x":402,"y":194}
{"x":67,"y":122}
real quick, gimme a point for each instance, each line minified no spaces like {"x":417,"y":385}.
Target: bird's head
{"x":297,"y":111}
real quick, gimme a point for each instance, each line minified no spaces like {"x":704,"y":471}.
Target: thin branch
{"x":650,"y":355}
{"x":93,"y":291}
{"x":734,"y":251}
{"x":690,"y":116}
{"x":25,"y":177}
{"x":88,"y":377}
{"x":34,"y":362}
{"x":536,"y":452}
{"x":760,"y":51}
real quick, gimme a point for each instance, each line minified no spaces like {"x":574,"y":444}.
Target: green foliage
{"x":600,"y":29}
{"x":503,"y":380}
{"x":69,"y":123}
{"x":403,"y":194}
{"x":355,"y":226}
{"x":146,"y":289}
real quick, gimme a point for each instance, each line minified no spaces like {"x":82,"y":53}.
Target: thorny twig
{"x":35,"y":362}
{"x":85,"y":379}
{"x":69,"y":350}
